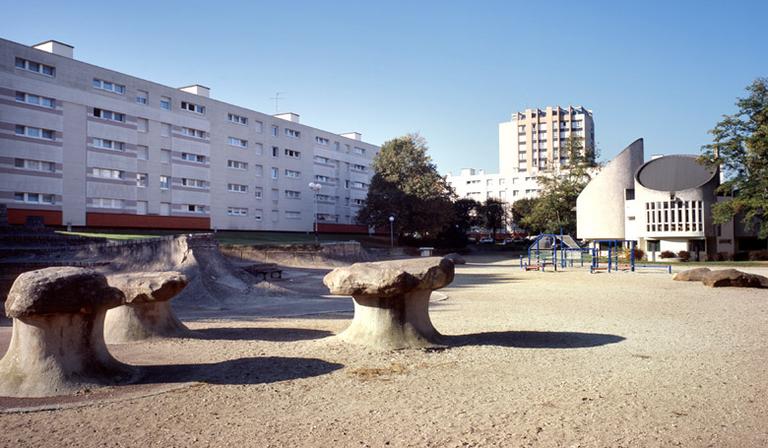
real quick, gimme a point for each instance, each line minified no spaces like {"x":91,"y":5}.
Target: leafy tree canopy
{"x":406,"y":185}
{"x":555,"y":208}
{"x":740,"y":149}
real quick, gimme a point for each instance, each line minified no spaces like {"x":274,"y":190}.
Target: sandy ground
{"x":535,"y":359}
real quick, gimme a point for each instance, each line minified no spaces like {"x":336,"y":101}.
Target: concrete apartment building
{"x":83,"y":145}
{"x":529,"y":146}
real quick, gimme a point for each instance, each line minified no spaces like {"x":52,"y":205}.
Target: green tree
{"x":555,"y":208}
{"x":522,"y":208}
{"x":740,"y":149}
{"x":465,"y":215}
{"x":577,"y":155}
{"x":406,"y":185}
{"x":492,"y":212}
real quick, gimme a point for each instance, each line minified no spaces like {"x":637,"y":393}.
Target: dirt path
{"x":536,"y":359}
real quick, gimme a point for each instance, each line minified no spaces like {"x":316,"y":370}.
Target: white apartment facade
{"x":530,"y":146}
{"x":86,"y":146}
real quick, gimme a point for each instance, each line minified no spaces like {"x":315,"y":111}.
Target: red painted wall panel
{"x":18,"y":216}
{"x":116,"y":220}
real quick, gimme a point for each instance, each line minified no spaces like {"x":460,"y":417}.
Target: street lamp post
{"x":391,"y":231}
{"x":315,"y":187}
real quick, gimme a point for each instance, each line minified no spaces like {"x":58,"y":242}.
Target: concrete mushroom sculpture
{"x":57,"y":346}
{"x":147,"y":311}
{"x":391,"y":300}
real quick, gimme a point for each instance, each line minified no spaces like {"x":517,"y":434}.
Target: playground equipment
{"x":553,"y":250}
{"x":614,"y":259}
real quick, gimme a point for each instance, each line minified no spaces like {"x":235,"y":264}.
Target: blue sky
{"x":665,"y":71}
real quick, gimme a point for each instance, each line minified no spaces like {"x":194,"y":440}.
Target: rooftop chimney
{"x":197,"y":89}
{"x":353,"y":135}
{"x":290,"y":116}
{"x":56,"y":47}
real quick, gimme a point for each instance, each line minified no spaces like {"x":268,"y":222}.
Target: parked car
{"x":486,"y":240}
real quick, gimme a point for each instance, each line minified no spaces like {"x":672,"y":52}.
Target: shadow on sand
{"x":533,"y":339}
{"x":262,"y":370}
{"x":259,"y":334}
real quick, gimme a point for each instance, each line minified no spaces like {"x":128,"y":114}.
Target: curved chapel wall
{"x":600,"y":206}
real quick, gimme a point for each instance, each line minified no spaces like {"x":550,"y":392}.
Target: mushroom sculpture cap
{"x":390,"y":278}
{"x":61,"y":290}
{"x":146,"y":287}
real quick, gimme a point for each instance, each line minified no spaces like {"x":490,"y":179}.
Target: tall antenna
{"x":277,"y":99}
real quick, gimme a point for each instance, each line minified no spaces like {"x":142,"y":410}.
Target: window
{"x":34,"y":198}
{"x":258,"y":148}
{"x":165,"y":208}
{"x":141,"y":207}
{"x":358,"y":202}
{"x":237,"y":188}
{"x":237,"y":119}
{"x":258,"y":192}
{"x":336,"y":146}
{"x":108,"y":115}
{"x":275,"y":172}
{"x":292,"y":154}
{"x":292,"y":173}
{"x":275,"y":131}
{"x":258,"y":215}
{"x":165,"y":156}
{"x":292,"y":215}
{"x":237,"y":165}
{"x":237,"y":211}
{"x":196,"y":158}
{"x":165,"y":129}
{"x":108,"y":86}
{"x":106,"y":203}
{"x":141,"y":180}
{"x":28,"y":131}
{"x":192,"y":107}
{"x":359,"y":185}
{"x":36,"y":100}
{"x":35,"y":67}
{"x":196,"y":133}
{"x":142,"y":152}
{"x":164,"y":183}
{"x":325,"y":198}
{"x":258,"y":170}
{"x":142,"y":97}
{"x":193,"y":183}
{"x":292,"y":133}
{"x":291,"y":194}
{"x":321,"y":178}
{"x":142,"y":124}
{"x":275,"y":151}
{"x":165,"y":103}
{"x":359,"y":167}
{"x":359,"y":151}
{"x":323,"y":160}
{"x":322,"y":141}
{"x":258,"y":126}
{"x":194,"y":208}
{"x":629,"y":194}
{"x":108,"y":144}
{"x":35,"y":165}
{"x":106,"y":173}
{"x":237,"y":142}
